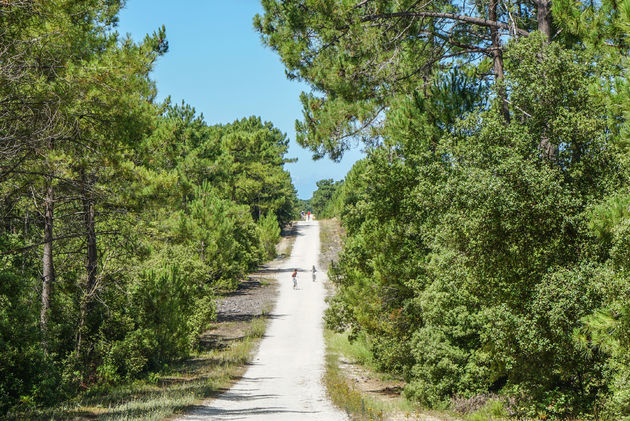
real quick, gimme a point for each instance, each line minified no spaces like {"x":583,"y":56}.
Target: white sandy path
{"x":285,"y":380}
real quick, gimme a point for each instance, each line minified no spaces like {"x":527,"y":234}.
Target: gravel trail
{"x":284,"y":379}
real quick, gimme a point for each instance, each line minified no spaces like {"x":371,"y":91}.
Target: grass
{"x":493,"y":410}
{"x":163,"y":395}
{"x":342,"y":395}
{"x":331,"y":237}
{"x":175,"y":389}
{"x":358,"y":405}
{"x":285,"y":248}
{"x":357,"y":351}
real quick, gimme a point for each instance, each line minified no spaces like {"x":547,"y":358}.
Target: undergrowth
{"x":160,"y":395}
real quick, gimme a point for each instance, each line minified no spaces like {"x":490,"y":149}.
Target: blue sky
{"x":217,"y":63}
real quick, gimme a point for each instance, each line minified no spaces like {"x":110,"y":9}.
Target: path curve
{"x":284,"y":381}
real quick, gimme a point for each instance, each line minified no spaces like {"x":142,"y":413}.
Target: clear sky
{"x":217,"y":63}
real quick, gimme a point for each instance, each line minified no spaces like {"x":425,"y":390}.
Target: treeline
{"x":325,"y":202}
{"x":121,"y":217}
{"x":326,"y":199}
{"x":488,"y":229}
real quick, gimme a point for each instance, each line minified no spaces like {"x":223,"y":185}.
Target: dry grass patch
{"x":331,"y":235}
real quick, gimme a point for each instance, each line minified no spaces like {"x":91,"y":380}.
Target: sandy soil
{"x":284,"y":380}
{"x":254,"y":298}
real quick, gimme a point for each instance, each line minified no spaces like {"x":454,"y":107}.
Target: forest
{"x":121,"y":217}
{"x":487,"y":229}
{"x":487,"y":248}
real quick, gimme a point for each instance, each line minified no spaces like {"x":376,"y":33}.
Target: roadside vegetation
{"x":343,"y":354}
{"x":343,"y":395}
{"x":121,"y":217}
{"x":357,"y":386}
{"x":486,"y":251}
{"x":175,"y":388}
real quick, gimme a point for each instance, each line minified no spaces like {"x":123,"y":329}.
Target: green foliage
{"x":169,"y":313}
{"x":250,"y":168}
{"x":151,"y":210}
{"x":473,"y":256}
{"x":26,"y":373}
{"x":325,"y":200}
{"x":489,"y":220}
{"x":609,"y":216}
{"x":494,"y":409}
{"x":269,"y":234}
{"x":607,"y":328}
{"x":223,"y":233}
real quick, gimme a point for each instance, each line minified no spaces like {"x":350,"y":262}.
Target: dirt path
{"x":284,"y":380}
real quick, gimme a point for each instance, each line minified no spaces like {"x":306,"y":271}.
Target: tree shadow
{"x":266,"y":271}
{"x":207,"y":411}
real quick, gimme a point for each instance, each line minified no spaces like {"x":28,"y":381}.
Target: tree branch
{"x":63,"y":237}
{"x":462,"y":18}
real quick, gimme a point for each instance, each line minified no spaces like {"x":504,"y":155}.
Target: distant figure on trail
{"x":303,"y":216}
{"x":314,"y":273}
{"x":309,"y":216}
{"x":294,"y":277}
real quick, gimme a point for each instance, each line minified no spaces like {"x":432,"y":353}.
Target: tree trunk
{"x":548,"y":150}
{"x":25,"y":235}
{"x":497,"y":54}
{"x":48,"y":268}
{"x":543,"y":17}
{"x":92,"y":251}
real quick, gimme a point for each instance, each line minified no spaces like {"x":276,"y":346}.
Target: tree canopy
{"x":358,"y":56}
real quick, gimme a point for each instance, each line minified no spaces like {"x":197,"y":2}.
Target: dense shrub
{"x":269,"y":234}
{"x":121,"y":217}
{"x":473,"y":259}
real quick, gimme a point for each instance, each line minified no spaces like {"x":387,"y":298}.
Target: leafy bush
{"x":27,"y":374}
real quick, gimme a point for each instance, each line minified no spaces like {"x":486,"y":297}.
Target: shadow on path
{"x":239,"y":317}
{"x":266,"y":271}
{"x":206,"y":411}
